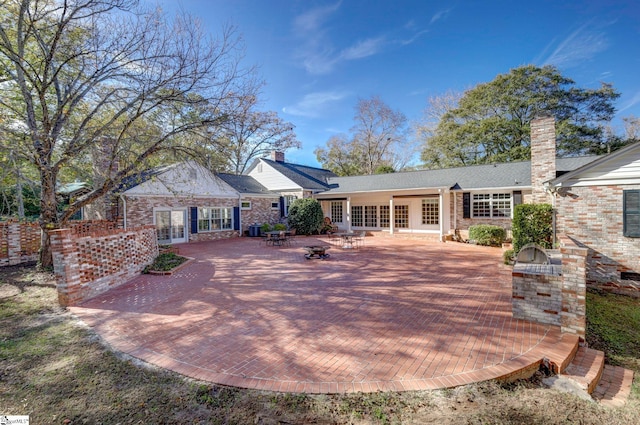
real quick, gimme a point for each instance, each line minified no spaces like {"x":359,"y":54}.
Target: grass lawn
{"x":57,"y":371}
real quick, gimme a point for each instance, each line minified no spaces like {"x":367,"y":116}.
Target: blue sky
{"x":319,"y":57}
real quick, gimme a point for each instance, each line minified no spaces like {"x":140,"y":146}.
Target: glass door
{"x":170,"y":226}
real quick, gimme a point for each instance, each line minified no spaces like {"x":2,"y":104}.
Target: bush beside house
{"x":488,"y":235}
{"x":306,"y":216}
{"x":532,"y":223}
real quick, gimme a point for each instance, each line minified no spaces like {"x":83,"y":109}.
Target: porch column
{"x":392,"y":216}
{"x":348,"y":213}
{"x":441,"y":213}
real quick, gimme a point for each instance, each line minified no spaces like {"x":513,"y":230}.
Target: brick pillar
{"x":14,"y":247}
{"x":574,"y":287}
{"x":543,"y":156}
{"x":66,"y":267}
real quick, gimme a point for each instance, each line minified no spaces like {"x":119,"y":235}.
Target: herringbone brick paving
{"x":394,"y":315}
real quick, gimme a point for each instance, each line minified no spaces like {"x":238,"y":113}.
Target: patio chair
{"x":358,"y":240}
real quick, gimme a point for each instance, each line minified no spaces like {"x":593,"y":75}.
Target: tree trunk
{"x":48,"y":215}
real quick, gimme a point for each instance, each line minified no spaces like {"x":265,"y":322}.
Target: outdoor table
{"x":274,"y":237}
{"x":347,"y":239}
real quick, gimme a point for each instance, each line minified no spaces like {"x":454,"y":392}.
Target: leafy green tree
{"x":105,"y":79}
{"x":491,"y":121}
{"x":305,"y":215}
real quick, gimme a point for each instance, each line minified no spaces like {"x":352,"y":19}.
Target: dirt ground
{"x":54,"y":369}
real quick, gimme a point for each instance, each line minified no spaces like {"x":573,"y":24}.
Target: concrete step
{"x":614,"y":387}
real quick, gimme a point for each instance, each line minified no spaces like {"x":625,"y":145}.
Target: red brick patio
{"x":395,"y":315}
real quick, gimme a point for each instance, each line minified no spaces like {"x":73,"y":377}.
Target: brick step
{"x":614,"y":387}
{"x":586,"y":368}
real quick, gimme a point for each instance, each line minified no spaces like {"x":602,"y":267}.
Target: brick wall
{"x":260,"y":212}
{"x":90,"y":265}
{"x":140,"y":212}
{"x":19,"y":242}
{"x":463,"y":224}
{"x":593,"y":216}
{"x":543,"y":156}
{"x":545,"y":296}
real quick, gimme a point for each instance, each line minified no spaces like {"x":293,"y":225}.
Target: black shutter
{"x":282,"y":206}
{"x":517,"y":197}
{"x":194,"y":220}
{"x":466,"y":205}
{"x":631,"y":213}
{"x":236,"y":218}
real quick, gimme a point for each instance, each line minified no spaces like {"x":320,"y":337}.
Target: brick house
{"x":257,"y":204}
{"x":447,"y":201}
{"x":598,"y":205}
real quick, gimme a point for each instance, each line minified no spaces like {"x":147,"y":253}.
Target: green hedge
{"x":532,"y":223}
{"x":486,"y":234}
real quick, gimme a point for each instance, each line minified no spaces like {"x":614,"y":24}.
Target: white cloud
{"x":581,"y":45}
{"x":313,"y":20}
{"x":635,"y":100}
{"x":363,"y":49}
{"x":313,"y":104}
{"x":439,"y":15}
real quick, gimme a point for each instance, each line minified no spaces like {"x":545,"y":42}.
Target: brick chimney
{"x":543,"y":156}
{"x":277,"y":156}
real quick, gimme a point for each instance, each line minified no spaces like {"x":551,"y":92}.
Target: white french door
{"x":170,"y":225}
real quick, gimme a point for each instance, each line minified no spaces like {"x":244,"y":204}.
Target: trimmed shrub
{"x":532,"y":223}
{"x":486,"y":234}
{"x":279,"y":227}
{"x":305,"y":215}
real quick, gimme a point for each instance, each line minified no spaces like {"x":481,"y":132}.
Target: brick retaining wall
{"x":545,"y":296}
{"x":19,"y":242}
{"x":87,"y":266}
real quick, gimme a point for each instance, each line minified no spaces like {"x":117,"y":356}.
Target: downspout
{"x":124,"y":211}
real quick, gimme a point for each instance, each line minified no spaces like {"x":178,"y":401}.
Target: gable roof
{"x":310,"y":178}
{"x":510,"y":175}
{"x":621,"y":166}
{"x":245,"y":184}
{"x":182,"y":179}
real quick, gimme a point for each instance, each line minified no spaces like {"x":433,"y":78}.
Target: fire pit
{"x":316,"y":251}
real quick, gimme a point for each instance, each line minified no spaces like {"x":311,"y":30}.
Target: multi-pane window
{"x":384,"y":216}
{"x":356,"y":215}
{"x":431,"y":211}
{"x":401,"y":213}
{"x":214,"y":219}
{"x":371,"y":216}
{"x":491,"y":205}
{"x":336,"y":211}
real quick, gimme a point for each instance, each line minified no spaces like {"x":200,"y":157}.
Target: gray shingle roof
{"x":306,"y":177}
{"x":245,"y":184}
{"x":490,"y":176}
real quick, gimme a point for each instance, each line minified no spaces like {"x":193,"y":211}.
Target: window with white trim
{"x":275,"y":205}
{"x":356,"y":215}
{"x":401,"y":216}
{"x":491,"y":205}
{"x":431,"y":211}
{"x":215,"y":219}
{"x":385,"y":216}
{"x":336,"y":212}
{"x":371,"y":216}
{"x":245,"y":205}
